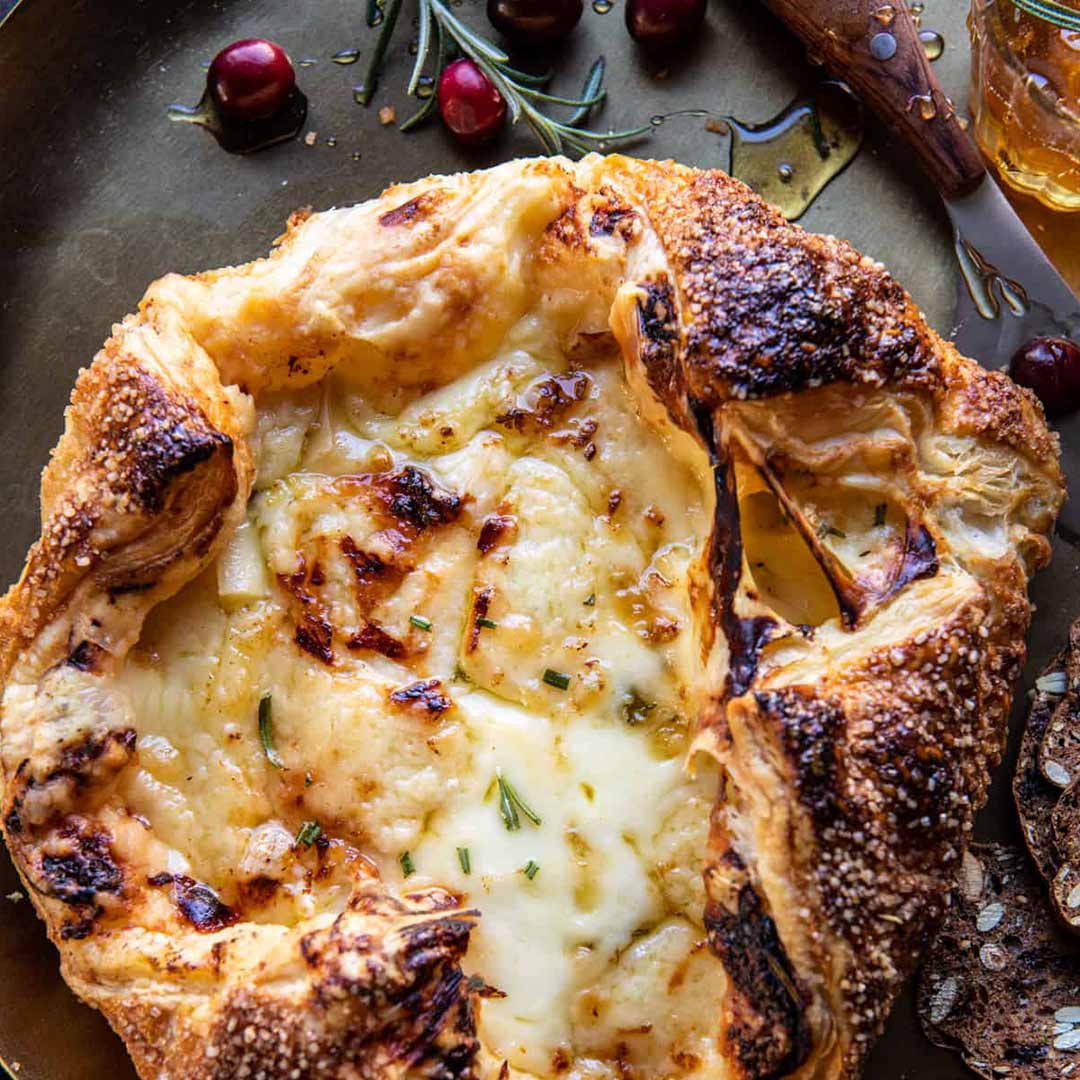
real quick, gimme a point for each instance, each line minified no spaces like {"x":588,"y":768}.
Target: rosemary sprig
{"x":525,"y":94}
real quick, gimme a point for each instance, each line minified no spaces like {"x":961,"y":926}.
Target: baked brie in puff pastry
{"x":551,"y":621}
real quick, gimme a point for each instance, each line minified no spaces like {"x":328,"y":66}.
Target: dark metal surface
{"x":99,"y":195}
{"x":1015,"y":269}
{"x":1042,"y":302}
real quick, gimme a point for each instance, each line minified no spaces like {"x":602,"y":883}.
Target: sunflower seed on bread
{"x":1034,"y":794}
{"x":1001,"y":981}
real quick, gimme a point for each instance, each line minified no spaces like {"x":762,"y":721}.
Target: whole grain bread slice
{"x":1002,"y":983}
{"x":1035,"y":796}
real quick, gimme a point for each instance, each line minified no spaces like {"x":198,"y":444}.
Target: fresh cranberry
{"x":659,"y":25}
{"x":534,"y":22}
{"x":470,"y":105}
{"x":1051,"y":367}
{"x":251,"y":79}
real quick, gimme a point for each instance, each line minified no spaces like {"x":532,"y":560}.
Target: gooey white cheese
{"x":601,"y":952}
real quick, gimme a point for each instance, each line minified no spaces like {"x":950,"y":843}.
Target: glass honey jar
{"x":1025,"y":106}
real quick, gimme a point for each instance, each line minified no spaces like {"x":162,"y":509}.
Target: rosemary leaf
{"x":554,"y":99}
{"x":559,"y":679}
{"x":526,"y":78}
{"x":382,"y":43}
{"x":423,"y":44}
{"x":506,"y":805}
{"x":432,"y":100}
{"x":513,"y":802}
{"x":531,"y":869}
{"x":488,"y":624}
{"x":879,"y":513}
{"x":266,"y":732}
{"x":514,"y":102}
{"x":407,"y":866}
{"x":463,"y":858}
{"x":308,"y":833}
{"x":594,"y":82}
{"x":470,"y":43}
{"x":420,"y":115}
{"x":420,"y":622}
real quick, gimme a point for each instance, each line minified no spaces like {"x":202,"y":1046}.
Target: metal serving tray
{"x":100,"y":194}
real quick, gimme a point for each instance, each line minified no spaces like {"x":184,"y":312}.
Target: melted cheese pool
{"x":491,"y":581}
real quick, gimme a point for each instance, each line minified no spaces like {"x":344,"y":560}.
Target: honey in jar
{"x":1025,"y":106}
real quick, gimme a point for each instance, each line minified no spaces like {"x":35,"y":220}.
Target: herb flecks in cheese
{"x":532,"y":760}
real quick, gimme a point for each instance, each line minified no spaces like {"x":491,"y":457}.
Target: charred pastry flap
{"x":766,"y":1027}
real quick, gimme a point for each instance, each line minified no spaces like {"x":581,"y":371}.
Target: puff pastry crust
{"x":852,"y":747}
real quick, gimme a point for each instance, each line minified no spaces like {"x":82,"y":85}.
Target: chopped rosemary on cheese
{"x":308,"y":833}
{"x":266,"y":732}
{"x":559,"y":679}
{"x":635,"y":708}
{"x":510,"y":802}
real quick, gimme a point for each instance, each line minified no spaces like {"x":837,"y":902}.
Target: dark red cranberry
{"x":659,"y":25}
{"x":470,"y":105}
{"x":251,"y":79}
{"x":534,"y":22}
{"x":1051,"y":367}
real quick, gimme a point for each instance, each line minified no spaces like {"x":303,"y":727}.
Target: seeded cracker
{"x":1065,"y":832}
{"x":1047,"y":782}
{"x":1007,"y":996}
{"x":1035,"y":796}
{"x":1059,"y":754}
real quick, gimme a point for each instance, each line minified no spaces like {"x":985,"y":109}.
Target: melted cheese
{"x":601,"y":953}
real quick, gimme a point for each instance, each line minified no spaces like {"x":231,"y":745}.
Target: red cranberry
{"x":470,"y":105}
{"x":1051,"y":367}
{"x":251,"y":79}
{"x":660,"y":25}
{"x":534,"y":22}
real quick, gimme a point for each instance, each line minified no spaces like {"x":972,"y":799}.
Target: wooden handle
{"x":874,"y":46}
